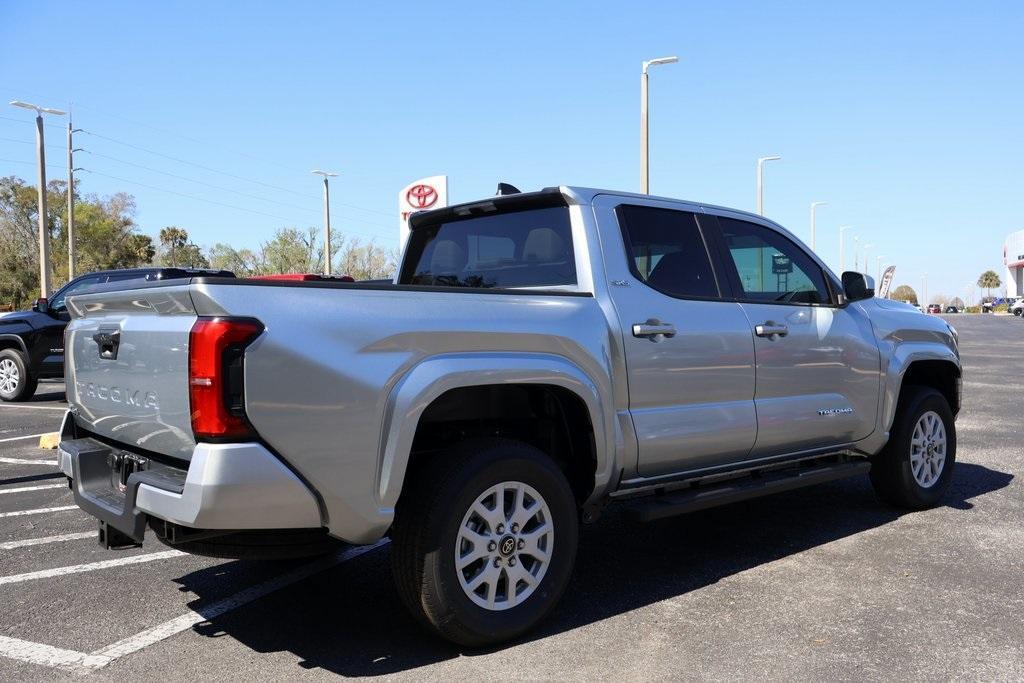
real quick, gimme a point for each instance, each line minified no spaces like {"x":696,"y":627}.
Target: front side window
{"x":771,"y":268}
{"x":667,"y":252}
{"x":527,"y":248}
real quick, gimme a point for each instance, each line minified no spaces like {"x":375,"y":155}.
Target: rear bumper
{"x":226,"y":486}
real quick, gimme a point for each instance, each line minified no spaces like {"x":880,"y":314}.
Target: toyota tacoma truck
{"x":539,"y":357}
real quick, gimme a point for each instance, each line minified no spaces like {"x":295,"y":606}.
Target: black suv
{"x":32,"y":342}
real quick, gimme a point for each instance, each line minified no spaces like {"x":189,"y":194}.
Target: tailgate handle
{"x":107,"y":343}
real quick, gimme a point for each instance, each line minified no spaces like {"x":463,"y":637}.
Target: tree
{"x":366,"y":261}
{"x":106,"y":236}
{"x":988,"y":281}
{"x":958,"y":302}
{"x":904,"y":293}
{"x":176,"y":250}
{"x":243,"y":262}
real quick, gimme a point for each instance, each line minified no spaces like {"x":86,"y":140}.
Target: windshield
{"x":529,"y":248}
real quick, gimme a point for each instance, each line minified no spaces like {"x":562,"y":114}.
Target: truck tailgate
{"x":126,"y":367}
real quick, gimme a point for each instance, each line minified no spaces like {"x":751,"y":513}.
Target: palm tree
{"x":989,"y":280}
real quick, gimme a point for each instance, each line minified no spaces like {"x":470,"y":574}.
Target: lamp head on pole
{"x":38,"y":110}
{"x":660,"y":60}
{"x":325,"y":174}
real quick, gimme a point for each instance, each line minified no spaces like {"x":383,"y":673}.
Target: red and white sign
{"x":420,"y":195}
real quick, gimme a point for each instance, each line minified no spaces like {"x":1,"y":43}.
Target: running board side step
{"x":671,"y":503}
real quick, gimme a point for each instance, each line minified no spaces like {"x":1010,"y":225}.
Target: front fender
{"x":903,"y":355}
{"x":431,"y":378}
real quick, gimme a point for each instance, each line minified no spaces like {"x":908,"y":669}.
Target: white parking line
{"x":18,"y":407}
{"x":48,"y":655}
{"x":20,"y":438}
{"x":11,"y":545}
{"x":27,"y":461}
{"x":91,"y":567}
{"x":22,"y":489}
{"x":39,"y":653}
{"x":37,"y":511}
{"x":150,"y":636}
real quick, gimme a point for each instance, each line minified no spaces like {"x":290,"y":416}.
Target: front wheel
{"x":483,"y":545}
{"x":915,"y":467}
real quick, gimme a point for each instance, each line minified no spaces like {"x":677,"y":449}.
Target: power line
{"x":200,"y":182}
{"x":208,"y":201}
{"x":226,"y":173}
{"x":192,"y":163}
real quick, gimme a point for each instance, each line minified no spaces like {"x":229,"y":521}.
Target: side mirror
{"x":41,"y":305}
{"x":858,"y":286}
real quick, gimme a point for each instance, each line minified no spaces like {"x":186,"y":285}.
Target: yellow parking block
{"x":50,"y":440}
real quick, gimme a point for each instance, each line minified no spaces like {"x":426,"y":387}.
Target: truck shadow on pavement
{"x":348,"y":620}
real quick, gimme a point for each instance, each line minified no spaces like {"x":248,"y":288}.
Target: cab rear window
{"x":526,"y":248}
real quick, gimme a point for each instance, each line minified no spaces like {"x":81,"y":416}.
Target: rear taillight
{"x":216,"y":348}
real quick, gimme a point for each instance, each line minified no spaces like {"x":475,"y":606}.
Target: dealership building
{"x":1013,"y":257}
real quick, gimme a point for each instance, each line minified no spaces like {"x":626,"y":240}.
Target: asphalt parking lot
{"x":824,"y":583}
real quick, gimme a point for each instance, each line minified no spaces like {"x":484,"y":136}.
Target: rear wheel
{"x":483,"y":547}
{"x":16,"y":384}
{"x":914,"y":469}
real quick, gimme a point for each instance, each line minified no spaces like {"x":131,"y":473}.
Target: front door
{"x":689,"y":354}
{"x":818,"y":367}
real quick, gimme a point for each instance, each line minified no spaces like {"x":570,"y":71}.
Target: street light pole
{"x":44,"y":234}
{"x":760,"y":181}
{"x":327,"y":218}
{"x":867,"y":248}
{"x":842,"y":260}
{"x":856,"y":252}
{"x":814,"y":223}
{"x":645,"y":185}
{"x":71,"y":197}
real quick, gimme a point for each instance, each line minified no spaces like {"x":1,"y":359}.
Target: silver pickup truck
{"x":539,"y":357}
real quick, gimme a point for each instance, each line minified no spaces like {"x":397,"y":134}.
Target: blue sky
{"x":905,"y":117}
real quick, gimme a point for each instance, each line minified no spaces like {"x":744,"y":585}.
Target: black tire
{"x":429,"y":518}
{"x":26,"y":382}
{"x":892,"y":473}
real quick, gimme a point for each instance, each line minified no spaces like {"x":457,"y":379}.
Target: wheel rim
{"x":9,"y":376}
{"x":928,"y":449}
{"x":504,"y":545}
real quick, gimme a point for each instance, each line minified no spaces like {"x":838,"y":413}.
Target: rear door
{"x":689,"y":353}
{"x":818,"y":366}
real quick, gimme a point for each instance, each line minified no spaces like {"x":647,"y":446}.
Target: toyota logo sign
{"x":421,"y":196}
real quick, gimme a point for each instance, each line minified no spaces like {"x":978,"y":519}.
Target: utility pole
{"x":760,"y":181}
{"x":645,"y":166}
{"x":71,"y":197}
{"x":327,"y":219}
{"x":44,"y":234}
{"x":814,"y":223}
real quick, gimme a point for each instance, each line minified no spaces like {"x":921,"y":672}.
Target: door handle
{"x":771,"y":330}
{"x":654,"y":329}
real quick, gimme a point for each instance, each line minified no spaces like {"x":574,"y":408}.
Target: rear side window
{"x":528,"y":248}
{"x":667,"y":252}
{"x":771,"y":268}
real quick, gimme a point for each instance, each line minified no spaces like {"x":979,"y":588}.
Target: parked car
{"x":952,"y":309}
{"x":1017,"y":307}
{"x":541,"y":357}
{"x":934,"y":308}
{"x":32,"y":342}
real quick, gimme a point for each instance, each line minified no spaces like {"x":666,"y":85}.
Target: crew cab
{"x":32,"y":342}
{"x":539,"y":357}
